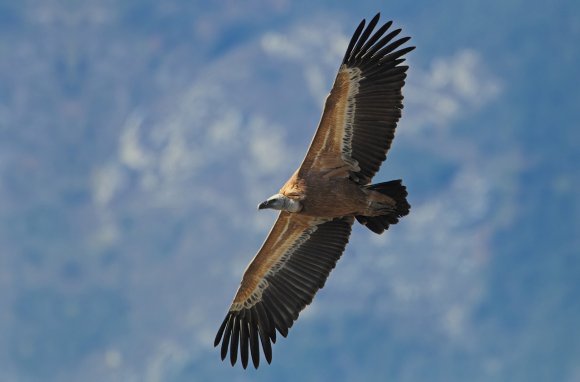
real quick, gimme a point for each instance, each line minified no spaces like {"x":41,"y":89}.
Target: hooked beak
{"x":275,"y":202}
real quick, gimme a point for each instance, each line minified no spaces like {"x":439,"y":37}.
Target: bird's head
{"x":282,"y":203}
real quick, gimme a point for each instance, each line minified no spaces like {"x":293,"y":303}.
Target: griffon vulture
{"x":320,"y":202}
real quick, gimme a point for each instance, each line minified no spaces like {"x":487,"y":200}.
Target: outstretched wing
{"x":362,"y":110}
{"x":292,"y":265}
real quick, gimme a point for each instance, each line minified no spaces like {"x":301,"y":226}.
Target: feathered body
{"x":322,"y":199}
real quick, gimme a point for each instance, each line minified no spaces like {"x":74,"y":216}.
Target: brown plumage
{"x":320,"y":202}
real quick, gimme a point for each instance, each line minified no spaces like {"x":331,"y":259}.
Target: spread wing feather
{"x":292,"y":265}
{"x":363,"y":109}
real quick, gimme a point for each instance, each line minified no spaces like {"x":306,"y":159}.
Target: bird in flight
{"x":321,"y":200}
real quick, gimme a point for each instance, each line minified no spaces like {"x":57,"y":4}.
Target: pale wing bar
{"x":290,"y":286}
{"x":377,"y":105}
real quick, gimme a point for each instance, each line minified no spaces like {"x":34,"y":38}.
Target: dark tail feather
{"x":398,"y":192}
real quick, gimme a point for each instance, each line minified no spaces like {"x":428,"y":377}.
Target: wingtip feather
{"x":234,"y":341}
{"x":220,"y":332}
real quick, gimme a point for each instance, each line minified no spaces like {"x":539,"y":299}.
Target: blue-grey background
{"x":137,"y":137}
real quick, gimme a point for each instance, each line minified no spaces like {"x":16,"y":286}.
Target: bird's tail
{"x":396,"y":191}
